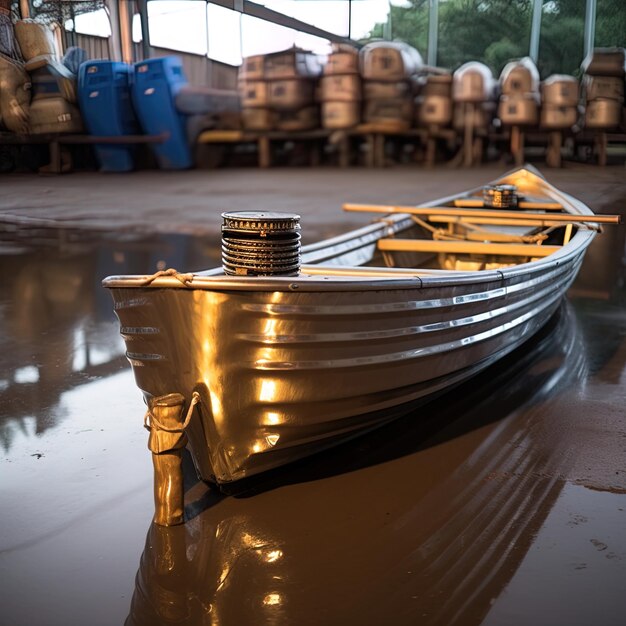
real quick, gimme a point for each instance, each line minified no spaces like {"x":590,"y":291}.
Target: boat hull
{"x":283,"y":373}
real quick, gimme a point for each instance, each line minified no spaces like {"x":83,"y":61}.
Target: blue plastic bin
{"x":105,"y":103}
{"x":155,"y":86}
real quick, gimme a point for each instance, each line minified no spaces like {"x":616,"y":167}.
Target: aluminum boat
{"x":274,"y":368}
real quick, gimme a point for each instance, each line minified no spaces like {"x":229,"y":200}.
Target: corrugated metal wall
{"x":200,"y":70}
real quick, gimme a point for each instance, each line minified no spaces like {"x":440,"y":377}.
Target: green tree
{"x":496,"y":31}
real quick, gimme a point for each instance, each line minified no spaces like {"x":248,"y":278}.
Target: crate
{"x":377,"y":90}
{"x":340,"y":88}
{"x":343,"y":60}
{"x":397,"y":110}
{"x":254,"y":93}
{"x":291,"y":64}
{"x":560,"y":90}
{"x":603,"y":113}
{"x":519,"y":110}
{"x":434,"y":110}
{"x":473,"y":82}
{"x":554,"y":116}
{"x":603,"y":87}
{"x":290,"y":94}
{"x":389,"y":61}
{"x":605,"y":62}
{"x":437,"y":85}
{"x":306,"y":118}
{"x":258,"y":118}
{"x":519,"y":77}
{"x":337,"y":115}
{"x":252,"y":68}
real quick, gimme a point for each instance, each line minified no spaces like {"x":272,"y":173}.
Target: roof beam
{"x":256,"y":10}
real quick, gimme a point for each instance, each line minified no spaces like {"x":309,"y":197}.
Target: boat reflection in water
{"x":423,"y":521}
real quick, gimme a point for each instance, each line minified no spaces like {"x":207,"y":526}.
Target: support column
{"x":535,"y":30}
{"x":24,"y":9}
{"x":142,"y":7}
{"x":433,"y":30}
{"x":115,"y":45}
{"x":590,"y":26}
{"x":126,"y":30}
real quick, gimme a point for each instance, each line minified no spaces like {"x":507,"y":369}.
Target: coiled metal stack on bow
{"x":256,"y":243}
{"x":500,"y":196}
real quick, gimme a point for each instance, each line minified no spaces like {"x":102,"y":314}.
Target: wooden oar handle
{"x":495,"y":213}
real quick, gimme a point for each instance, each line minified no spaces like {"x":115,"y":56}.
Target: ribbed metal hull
{"x":286,"y":368}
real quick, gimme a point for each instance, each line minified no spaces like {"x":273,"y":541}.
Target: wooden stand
{"x":600,"y":143}
{"x":471,"y":152}
{"x":553,"y":151}
{"x":59,"y":162}
{"x":517,"y":145}
{"x":265,"y":139}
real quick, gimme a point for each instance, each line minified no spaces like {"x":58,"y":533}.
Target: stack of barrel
{"x":473,"y":93}
{"x":433,"y":107}
{"x":292,"y":76}
{"x":278,"y":90}
{"x":340,"y":89}
{"x":14,"y":81}
{"x":53,"y":108}
{"x":559,"y":102}
{"x":519,"y":93}
{"x":388,"y":70}
{"x":254,"y":93}
{"x":603,"y":87}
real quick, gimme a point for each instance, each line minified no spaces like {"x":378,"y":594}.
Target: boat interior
{"x":462,"y":234}
{"x":441,"y":240}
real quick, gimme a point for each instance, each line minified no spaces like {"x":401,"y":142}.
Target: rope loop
{"x":185,"y":279}
{"x":149,"y":419}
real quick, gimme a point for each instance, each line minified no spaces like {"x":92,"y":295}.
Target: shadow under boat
{"x":425,"y":520}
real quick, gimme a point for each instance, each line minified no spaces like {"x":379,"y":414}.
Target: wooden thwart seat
{"x":466,"y":247}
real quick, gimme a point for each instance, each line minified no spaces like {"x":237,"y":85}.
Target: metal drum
{"x":500,"y":196}
{"x":258,"y":243}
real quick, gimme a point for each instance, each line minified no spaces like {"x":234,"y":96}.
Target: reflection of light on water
{"x":28,"y":374}
{"x":223,"y":577}
{"x":272,"y":599}
{"x":273,"y":555}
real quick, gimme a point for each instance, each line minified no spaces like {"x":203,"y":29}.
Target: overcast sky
{"x":188,"y":25}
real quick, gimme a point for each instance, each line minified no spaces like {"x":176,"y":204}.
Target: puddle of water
{"x":443,"y":517}
{"x":575,"y":570}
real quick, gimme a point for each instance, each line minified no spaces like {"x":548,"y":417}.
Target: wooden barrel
{"x":340,"y":114}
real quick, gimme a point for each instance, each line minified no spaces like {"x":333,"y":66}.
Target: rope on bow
{"x":185,"y":279}
{"x":150,"y":419}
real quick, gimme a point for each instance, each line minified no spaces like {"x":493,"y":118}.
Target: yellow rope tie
{"x":185,"y":279}
{"x":150,"y":419}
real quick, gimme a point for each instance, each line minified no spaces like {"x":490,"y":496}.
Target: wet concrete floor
{"x":502,"y":503}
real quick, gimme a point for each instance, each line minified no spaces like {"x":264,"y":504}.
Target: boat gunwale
{"x":346,"y":278}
